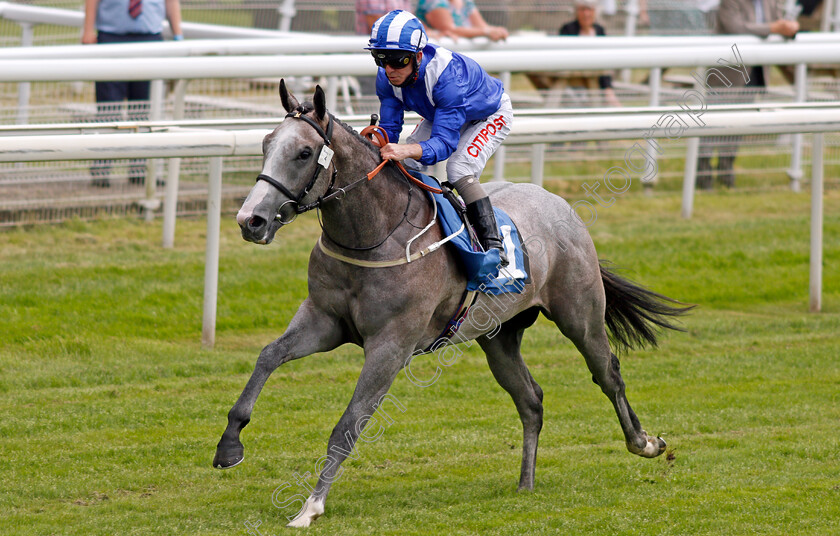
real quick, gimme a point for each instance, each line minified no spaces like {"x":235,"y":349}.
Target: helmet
{"x":397,"y":30}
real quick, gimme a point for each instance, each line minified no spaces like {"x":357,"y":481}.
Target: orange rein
{"x":379,"y":138}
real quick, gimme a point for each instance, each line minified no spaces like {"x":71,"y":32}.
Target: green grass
{"x":112,"y":410}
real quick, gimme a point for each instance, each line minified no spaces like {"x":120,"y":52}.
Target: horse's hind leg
{"x":510,"y":371}
{"x":582,"y":321}
{"x":310,"y":331}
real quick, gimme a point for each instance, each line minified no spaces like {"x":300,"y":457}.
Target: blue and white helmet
{"x":398,"y":30}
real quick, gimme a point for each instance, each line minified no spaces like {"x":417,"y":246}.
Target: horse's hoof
{"x":662,"y":445}
{"x":227,"y":458}
{"x":653,"y":447}
{"x":312,"y":510}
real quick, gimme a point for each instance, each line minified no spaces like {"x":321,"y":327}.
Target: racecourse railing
{"x":729,"y":60}
{"x":697,"y":120}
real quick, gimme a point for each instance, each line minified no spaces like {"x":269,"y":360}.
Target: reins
{"x":379,"y":138}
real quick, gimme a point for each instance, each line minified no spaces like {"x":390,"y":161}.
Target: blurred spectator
{"x":126,"y":21}
{"x":457,"y":18}
{"x":583,"y":25}
{"x":757,"y":17}
{"x":368,"y":11}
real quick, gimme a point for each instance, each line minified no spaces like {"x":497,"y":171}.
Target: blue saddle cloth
{"x":482,"y":268}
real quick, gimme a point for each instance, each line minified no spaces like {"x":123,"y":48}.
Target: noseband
{"x":324,"y":159}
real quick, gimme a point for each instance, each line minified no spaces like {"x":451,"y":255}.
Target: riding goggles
{"x":396,"y":59}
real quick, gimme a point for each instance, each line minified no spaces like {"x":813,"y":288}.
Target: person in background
{"x":457,"y":18}
{"x":756,"y":17}
{"x":585,"y":25}
{"x":369,"y":11}
{"x":126,"y":21}
{"x":466,"y":112}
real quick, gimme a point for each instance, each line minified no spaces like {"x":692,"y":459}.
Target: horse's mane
{"x":355,"y":134}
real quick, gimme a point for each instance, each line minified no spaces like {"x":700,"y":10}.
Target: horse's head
{"x":290,"y":171}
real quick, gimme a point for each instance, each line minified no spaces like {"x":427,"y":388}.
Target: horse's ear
{"x":289,"y":101}
{"x":320,"y":102}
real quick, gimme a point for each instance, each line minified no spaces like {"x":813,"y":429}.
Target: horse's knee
{"x":271,"y":357}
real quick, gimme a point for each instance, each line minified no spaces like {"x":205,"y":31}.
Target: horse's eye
{"x":305,"y":154}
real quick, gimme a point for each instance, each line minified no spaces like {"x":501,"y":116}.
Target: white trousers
{"x":479,"y":140}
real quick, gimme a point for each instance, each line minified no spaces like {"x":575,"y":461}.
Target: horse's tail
{"x":634,"y":313}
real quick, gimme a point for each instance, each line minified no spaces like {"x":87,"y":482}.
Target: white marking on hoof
{"x":312,"y":510}
{"x":653,"y":448}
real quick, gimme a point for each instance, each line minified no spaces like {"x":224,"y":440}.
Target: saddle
{"x":455,"y":201}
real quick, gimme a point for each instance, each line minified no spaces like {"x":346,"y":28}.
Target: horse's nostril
{"x":256,"y":222}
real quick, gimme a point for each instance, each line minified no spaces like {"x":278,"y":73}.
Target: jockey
{"x":466,"y":112}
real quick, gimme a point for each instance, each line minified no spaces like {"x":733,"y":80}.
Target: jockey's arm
{"x":450,"y":116}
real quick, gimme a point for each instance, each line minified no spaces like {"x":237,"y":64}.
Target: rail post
{"x":815,"y":276}
{"x":211,"y":259}
{"x":173,"y":175}
{"x":800,"y":84}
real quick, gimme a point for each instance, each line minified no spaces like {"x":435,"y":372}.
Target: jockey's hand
{"x":399,"y":152}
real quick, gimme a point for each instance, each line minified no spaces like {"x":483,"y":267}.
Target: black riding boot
{"x":483,"y":220}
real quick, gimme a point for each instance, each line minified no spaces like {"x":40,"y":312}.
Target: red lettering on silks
{"x":489,"y":126}
{"x":483,"y":134}
{"x":472,"y":148}
{"x":498,"y":120}
{"x":478,"y":140}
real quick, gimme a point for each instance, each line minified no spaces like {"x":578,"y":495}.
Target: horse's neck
{"x":370,"y":211}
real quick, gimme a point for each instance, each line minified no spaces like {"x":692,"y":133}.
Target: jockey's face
{"x":399,"y":76}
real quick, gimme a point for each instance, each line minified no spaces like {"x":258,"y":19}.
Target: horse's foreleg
{"x":586,"y":330}
{"x":310,"y":331}
{"x":510,"y":371}
{"x":382,"y":364}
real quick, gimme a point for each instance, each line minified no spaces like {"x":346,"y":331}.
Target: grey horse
{"x":361,"y":290}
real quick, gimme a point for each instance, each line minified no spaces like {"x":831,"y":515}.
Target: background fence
{"x":52,"y":191}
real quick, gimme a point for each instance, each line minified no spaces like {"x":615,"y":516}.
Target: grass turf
{"x":113,"y":410}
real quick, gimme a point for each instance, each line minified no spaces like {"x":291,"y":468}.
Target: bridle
{"x":325,"y":155}
{"x":324,"y":160}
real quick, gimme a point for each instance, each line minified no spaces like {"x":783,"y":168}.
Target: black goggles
{"x":395,"y":60}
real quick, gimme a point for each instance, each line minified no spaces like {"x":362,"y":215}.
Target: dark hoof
{"x":662,"y":445}
{"x":230,"y":457}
